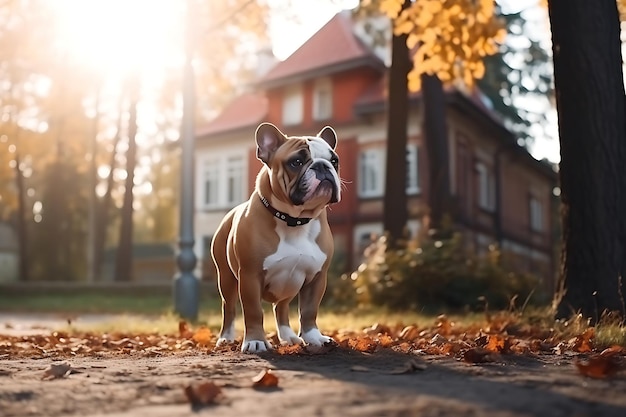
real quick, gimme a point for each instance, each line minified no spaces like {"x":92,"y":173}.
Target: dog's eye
{"x":335,"y":162}
{"x":295,"y":163}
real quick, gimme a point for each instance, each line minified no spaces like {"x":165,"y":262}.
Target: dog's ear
{"x":329,"y":135}
{"x":268,"y":140}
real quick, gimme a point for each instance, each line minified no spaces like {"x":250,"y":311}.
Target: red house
{"x":502,"y":193}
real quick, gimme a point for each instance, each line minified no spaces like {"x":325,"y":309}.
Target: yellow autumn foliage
{"x":449,"y":38}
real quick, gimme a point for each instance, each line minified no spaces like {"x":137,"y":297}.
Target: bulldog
{"x":278,"y":244}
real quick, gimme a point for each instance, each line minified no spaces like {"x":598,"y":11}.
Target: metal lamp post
{"x":186,"y":285}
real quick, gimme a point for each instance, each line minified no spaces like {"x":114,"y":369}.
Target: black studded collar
{"x":291,"y":221}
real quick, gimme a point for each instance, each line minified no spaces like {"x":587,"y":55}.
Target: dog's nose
{"x":320,"y":167}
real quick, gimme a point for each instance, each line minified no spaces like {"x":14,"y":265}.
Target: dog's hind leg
{"x":228,"y":287}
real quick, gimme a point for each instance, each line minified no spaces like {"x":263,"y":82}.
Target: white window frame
{"x":535,"y":208}
{"x":372,"y":183}
{"x":293,"y":105}
{"x":234,"y":180}
{"x":210,"y":174}
{"x":486,"y":186}
{"x":323,"y":99}
{"x":412,"y":169}
{"x":228,"y":177}
{"x":375,"y":160}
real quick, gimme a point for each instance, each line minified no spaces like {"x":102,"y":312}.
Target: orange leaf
{"x":444,"y":325}
{"x":477,"y":355}
{"x":202,"y":336}
{"x":612,"y":351}
{"x":583,"y":342}
{"x":362,"y":344}
{"x":496,"y":343}
{"x":265,"y":379}
{"x":597,"y":366}
{"x":183,"y":330}
{"x":203,"y":394}
{"x":409,"y":333}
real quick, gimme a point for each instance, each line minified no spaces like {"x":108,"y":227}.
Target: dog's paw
{"x":255,"y":346}
{"x":315,"y":337}
{"x":223,"y":341}
{"x":288,"y":337}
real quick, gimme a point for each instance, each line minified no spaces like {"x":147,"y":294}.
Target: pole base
{"x":186,"y":295}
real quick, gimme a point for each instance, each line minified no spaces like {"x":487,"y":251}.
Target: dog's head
{"x":304,"y":170}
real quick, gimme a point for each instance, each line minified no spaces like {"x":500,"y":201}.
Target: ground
{"x":340,"y":381}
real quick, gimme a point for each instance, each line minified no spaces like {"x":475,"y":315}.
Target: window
{"x":323,"y":99}
{"x":223,"y":182}
{"x":371,"y":173}
{"x":412,"y":183}
{"x":234,"y":180}
{"x":211,"y":175}
{"x":536,"y":214}
{"x":292,"y":106}
{"x":486,"y":187}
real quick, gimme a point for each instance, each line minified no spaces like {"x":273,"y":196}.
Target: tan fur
{"x":248,"y":236}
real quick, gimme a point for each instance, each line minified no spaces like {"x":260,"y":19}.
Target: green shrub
{"x":436,"y":274}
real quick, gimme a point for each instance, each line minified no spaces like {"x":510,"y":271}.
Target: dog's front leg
{"x":250,"y":294}
{"x":285,"y":334}
{"x":310,"y":298}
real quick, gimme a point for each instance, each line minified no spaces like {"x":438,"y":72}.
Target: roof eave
{"x":459,"y":99}
{"x":203,"y":137}
{"x":366,"y":61}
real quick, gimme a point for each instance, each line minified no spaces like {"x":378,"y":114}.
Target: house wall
{"x":529,"y":250}
{"x":239,"y":143}
{"x":347,"y":88}
{"x":354,"y":218}
{"x":8,"y":265}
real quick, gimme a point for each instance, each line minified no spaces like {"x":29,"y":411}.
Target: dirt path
{"x":339,"y":383}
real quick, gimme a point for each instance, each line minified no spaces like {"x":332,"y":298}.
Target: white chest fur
{"x":296,"y":260}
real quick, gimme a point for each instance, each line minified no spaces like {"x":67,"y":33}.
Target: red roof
{"x":246,"y":110}
{"x":333,"y":45}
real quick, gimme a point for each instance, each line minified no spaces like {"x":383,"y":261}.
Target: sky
{"x":289,"y":31}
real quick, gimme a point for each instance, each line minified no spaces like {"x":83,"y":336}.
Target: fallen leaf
{"x":377,"y":329}
{"x":496,"y":343}
{"x":613,"y":350}
{"x":202,"y":336}
{"x":359,"y":368}
{"x":598,"y":366}
{"x":265,"y":379}
{"x":409,"y":367}
{"x":203,"y":394}
{"x":362,"y":344}
{"x":444,"y":324}
{"x":584,"y":342}
{"x":409,"y":333}
{"x":385,"y":340}
{"x":438,"y":340}
{"x":183,"y":330}
{"x":57,"y":370}
{"x":477,"y":355}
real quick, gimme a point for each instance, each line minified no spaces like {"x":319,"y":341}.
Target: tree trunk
{"x":104,"y":208}
{"x":592,"y":130}
{"x":395,"y":201}
{"x":92,"y":215}
{"x":436,"y":140}
{"x":124,"y":256}
{"x":22,"y":231}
